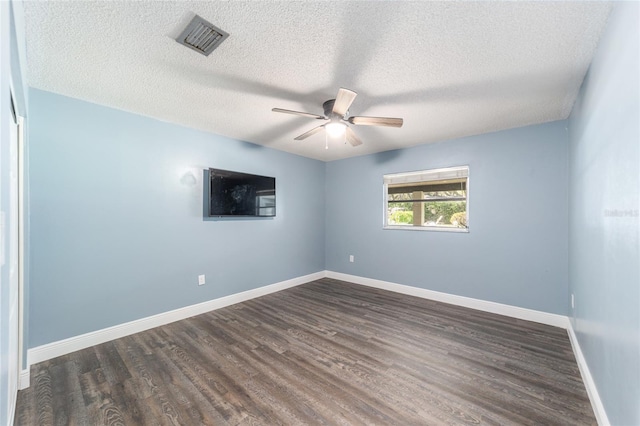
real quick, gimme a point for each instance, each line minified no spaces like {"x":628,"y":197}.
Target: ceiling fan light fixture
{"x":335,"y":129}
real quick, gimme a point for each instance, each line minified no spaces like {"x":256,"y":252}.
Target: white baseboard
{"x":587,"y":378}
{"x":468,"y":302}
{"x":24,"y":379}
{"x":76,"y":343}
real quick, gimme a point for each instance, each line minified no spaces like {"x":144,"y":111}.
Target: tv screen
{"x":241,"y":194}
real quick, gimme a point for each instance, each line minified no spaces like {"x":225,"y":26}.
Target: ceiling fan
{"x":336,"y":116}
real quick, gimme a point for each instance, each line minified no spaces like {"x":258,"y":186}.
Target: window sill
{"x":427,"y":228}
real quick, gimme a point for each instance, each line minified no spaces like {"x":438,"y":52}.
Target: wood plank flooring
{"x":327,"y":352}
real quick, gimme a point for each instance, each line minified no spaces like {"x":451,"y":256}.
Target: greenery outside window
{"x":428,"y":200}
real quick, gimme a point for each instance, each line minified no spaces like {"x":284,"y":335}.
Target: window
{"x":427,"y":200}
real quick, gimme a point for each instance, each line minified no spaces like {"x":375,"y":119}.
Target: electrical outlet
{"x":352,"y":258}
{"x":573,"y":302}
{"x":201,"y":280}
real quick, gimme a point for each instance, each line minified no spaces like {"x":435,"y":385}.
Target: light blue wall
{"x":604,"y":203}
{"x":516,"y":250}
{"x":117,"y":229}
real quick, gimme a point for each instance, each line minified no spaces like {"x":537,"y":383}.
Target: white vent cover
{"x":202,"y":36}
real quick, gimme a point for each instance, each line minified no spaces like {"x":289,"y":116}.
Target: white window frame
{"x":425,"y":176}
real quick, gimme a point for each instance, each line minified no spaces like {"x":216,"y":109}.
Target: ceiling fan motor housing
{"x":328,"y":110}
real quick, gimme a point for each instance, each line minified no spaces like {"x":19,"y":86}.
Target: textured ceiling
{"x":450,"y":69}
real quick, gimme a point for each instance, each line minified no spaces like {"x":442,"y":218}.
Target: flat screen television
{"x":241,"y":194}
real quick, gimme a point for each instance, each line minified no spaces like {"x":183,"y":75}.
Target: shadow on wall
{"x":251,"y":145}
{"x":386,"y":156}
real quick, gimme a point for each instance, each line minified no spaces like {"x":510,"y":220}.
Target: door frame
{"x":18,"y":227}
{"x":21,"y":216}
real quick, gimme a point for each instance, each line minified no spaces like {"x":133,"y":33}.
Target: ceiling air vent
{"x":202,"y":36}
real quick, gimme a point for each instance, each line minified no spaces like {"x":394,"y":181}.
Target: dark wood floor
{"x":327,"y":352}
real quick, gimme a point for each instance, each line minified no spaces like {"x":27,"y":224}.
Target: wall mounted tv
{"x":241,"y":194}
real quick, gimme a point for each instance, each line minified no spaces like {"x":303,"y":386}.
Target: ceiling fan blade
{"x":343,"y":101}
{"x":376,"y":121}
{"x":304,"y":114}
{"x":309,"y":133}
{"x":352,"y":138}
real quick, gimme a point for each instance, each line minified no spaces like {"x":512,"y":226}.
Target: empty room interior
{"x":319,"y":212}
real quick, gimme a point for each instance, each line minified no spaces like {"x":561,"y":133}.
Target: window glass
{"x":429,"y":199}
